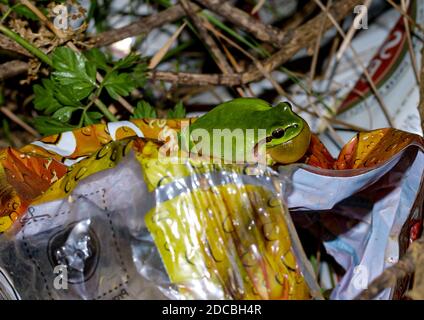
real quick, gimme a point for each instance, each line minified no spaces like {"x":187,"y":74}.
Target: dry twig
{"x":258,"y":6}
{"x":294,"y":41}
{"x":406,"y":266}
{"x":421,"y":104}
{"x":410,"y":45}
{"x":140,"y":27}
{"x":43,"y":18}
{"x":156,"y":59}
{"x":413,"y":259}
{"x":406,"y":15}
{"x":12,"y":68}
{"x":8,"y":113}
{"x":244,"y":20}
{"x":358,"y":60}
{"x":210,"y":43}
{"x":10,"y":46}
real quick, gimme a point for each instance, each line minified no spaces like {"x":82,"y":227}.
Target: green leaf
{"x":2,"y":99}
{"x":66,"y":96}
{"x":98,"y":58}
{"x":25,"y":12}
{"x":44,"y":97}
{"x":64,"y":114}
{"x":144,"y":110}
{"x":178,"y":112}
{"x":119,"y":84}
{"x":87,"y":120}
{"x":140,"y":75}
{"x":95,"y":115}
{"x":6,"y":131}
{"x":127,"y":62}
{"x":92,"y":71}
{"x":72,"y":70}
{"x":50,"y":126}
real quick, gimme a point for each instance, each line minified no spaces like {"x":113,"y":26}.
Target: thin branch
{"x":352,"y":30}
{"x":421,"y":103}
{"x":406,"y":15}
{"x":232,"y":60}
{"x":316,"y":51}
{"x":299,"y":17}
{"x":210,"y":43}
{"x":414,"y":256}
{"x":200,"y":79}
{"x":404,"y":267}
{"x":239,"y":17}
{"x":140,"y":27}
{"x":220,"y":36}
{"x":12,"y":68}
{"x":410,"y":45}
{"x":295,"y":41}
{"x":358,"y":60}
{"x":157,"y":58}
{"x":258,"y":6}
{"x":8,"y":113}
{"x":43,"y":18}
{"x":8,"y":45}
{"x":314,"y":107}
{"x":25,"y":44}
{"x":244,"y":20}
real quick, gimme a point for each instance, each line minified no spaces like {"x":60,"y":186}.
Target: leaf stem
{"x":103,"y":108}
{"x":8,"y":12}
{"x":24,"y":43}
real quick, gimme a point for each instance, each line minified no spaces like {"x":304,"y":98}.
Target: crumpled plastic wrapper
{"x":93,"y":214}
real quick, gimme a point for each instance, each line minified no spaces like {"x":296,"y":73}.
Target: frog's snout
{"x":294,"y":149}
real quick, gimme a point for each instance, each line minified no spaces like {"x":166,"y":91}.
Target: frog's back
{"x":237,"y":113}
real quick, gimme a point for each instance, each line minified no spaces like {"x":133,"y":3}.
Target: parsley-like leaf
{"x":72,"y":70}
{"x":64,"y":114}
{"x":127,"y":62}
{"x":91,"y":117}
{"x":95,"y":115}
{"x":87,"y":120}
{"x":66,"y":96}
{"x":98,"y":58}
{"x":48,"y":126}
{"x":178,"y":112}
{"x":119,"y":84}
{"x":144,"y":110}
{"x":139,"y":74}
{"x":44,"y":97}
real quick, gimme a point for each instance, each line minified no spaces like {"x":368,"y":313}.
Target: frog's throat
{"x":292,"y":150}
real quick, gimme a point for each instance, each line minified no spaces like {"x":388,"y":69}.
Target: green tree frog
{"x":285,"y":135}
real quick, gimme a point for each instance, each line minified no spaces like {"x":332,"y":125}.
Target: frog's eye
{"x":278,"y":133}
